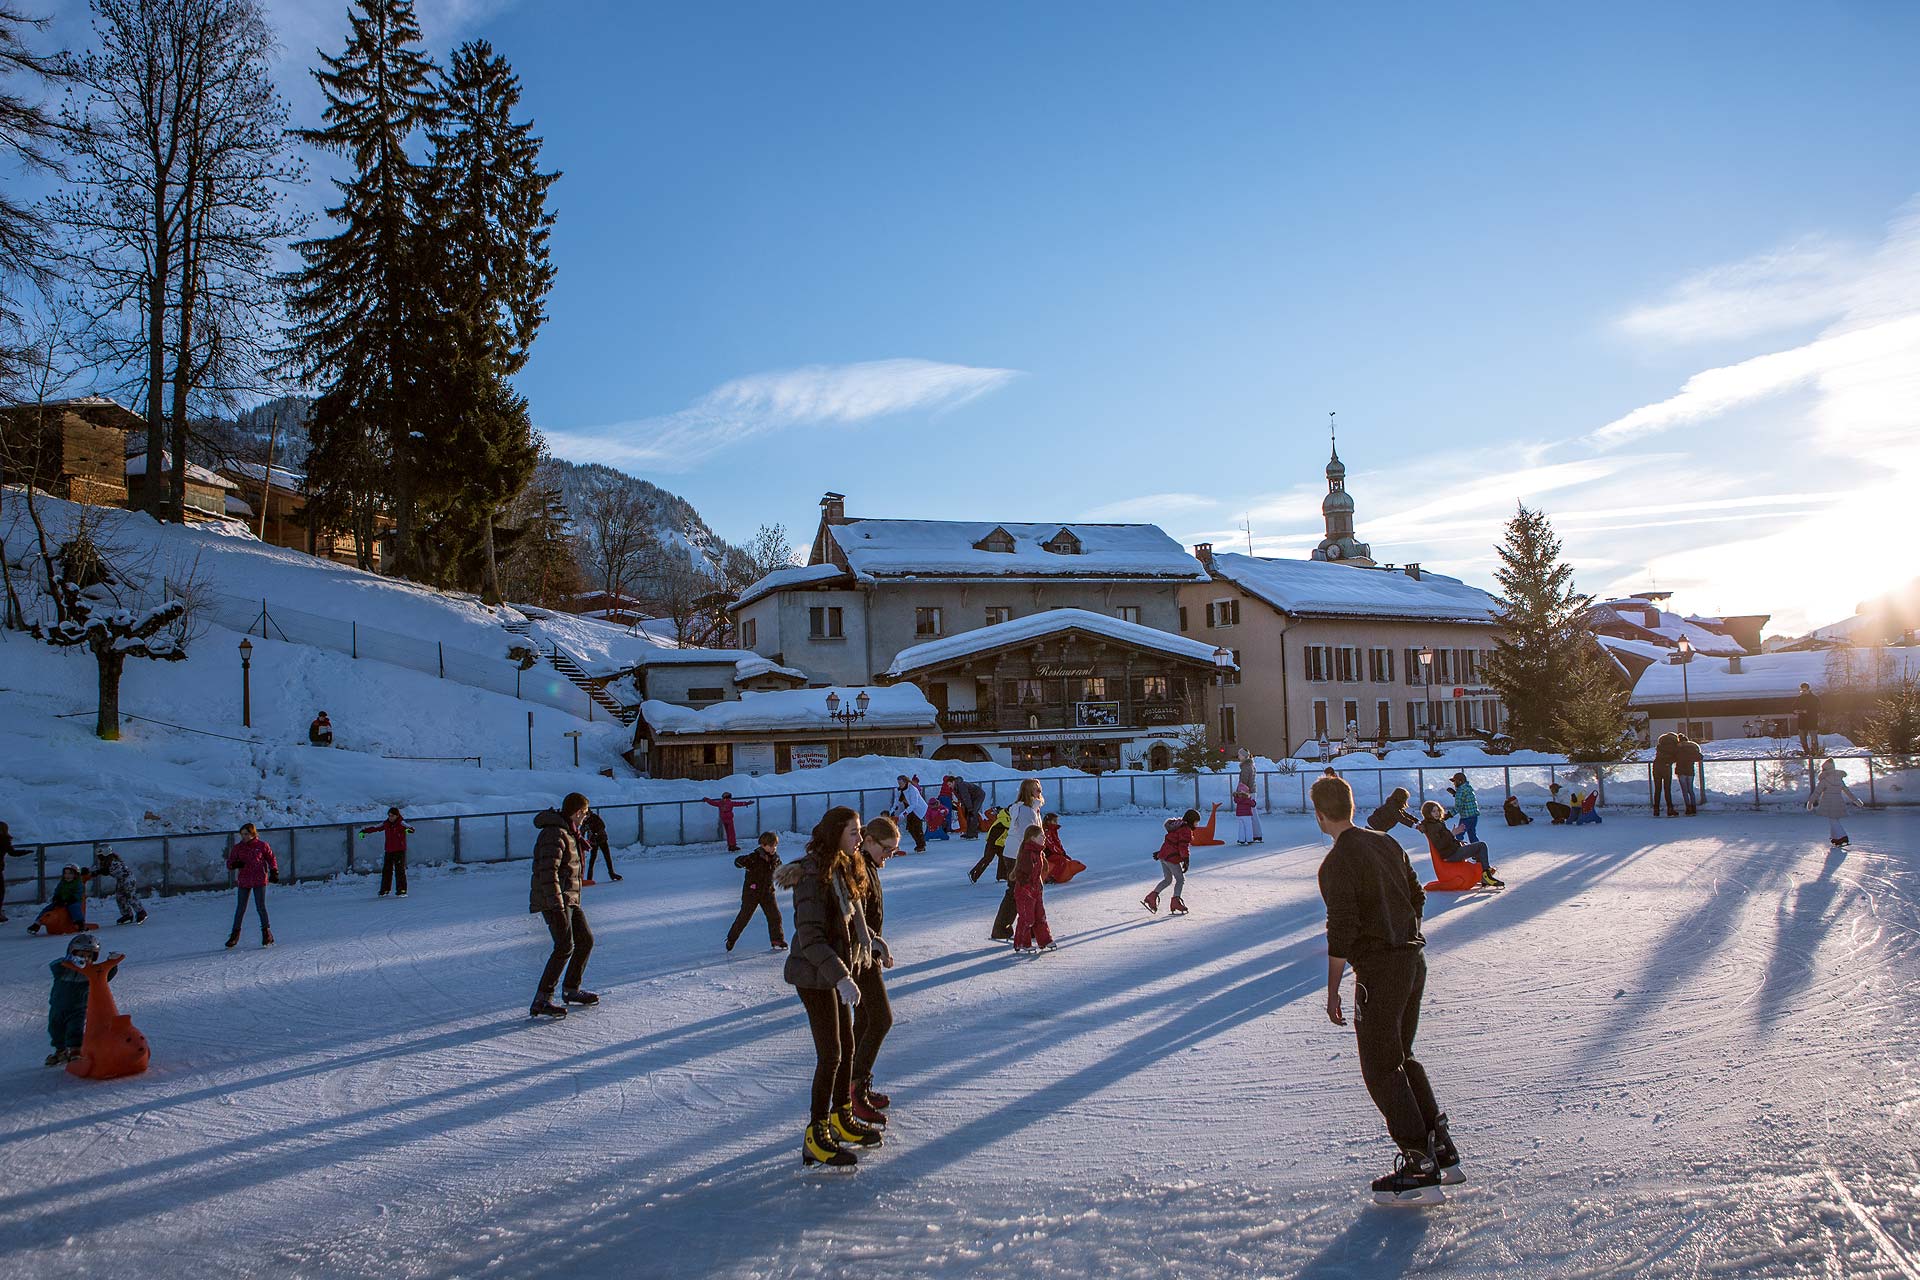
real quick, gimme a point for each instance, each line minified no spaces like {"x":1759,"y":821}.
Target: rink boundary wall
{"x":179,"y":862}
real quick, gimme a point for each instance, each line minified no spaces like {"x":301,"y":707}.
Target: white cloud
{"x":1803,"y":283}
{"x":1151,"y":506}
{"x":816,"y":395}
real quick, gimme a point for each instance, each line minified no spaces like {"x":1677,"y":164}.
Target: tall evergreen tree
{"x":360,"y":302}
{"x":1544,"y":642}
{"x":1590,"y":719}
{"x":485,"y":201}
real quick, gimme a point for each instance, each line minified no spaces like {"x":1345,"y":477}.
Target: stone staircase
{"x":563,"y":662}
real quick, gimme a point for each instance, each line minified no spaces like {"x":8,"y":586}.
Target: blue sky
{"x":1652,"y":267}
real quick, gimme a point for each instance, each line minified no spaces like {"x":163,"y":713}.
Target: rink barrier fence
{"x":189,"y":861}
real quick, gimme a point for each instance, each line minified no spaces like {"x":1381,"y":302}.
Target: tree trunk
{"x":153,"y":494}
{"x":111,"y":661}
{"x":489,"y":571}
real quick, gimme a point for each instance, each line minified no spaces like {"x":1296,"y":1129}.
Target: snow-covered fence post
{"x":1507,"y":779}
{"x":1422,"y":775}
{"x":681,"y":805}
{"x":506,"y":837}
{"x":441,"y":647}
{"x":1132,"y":799}
{"x":1196,"y":791}
{"x":293,"y":853}
{"x":793,"y":812}
{"x":347,"y":832}
{"x":456,"y":837}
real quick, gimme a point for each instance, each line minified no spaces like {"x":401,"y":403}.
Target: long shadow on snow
{"x":1378,"y":1242}
{"x":1800,"y":926}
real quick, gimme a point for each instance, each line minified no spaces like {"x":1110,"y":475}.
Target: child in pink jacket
{"x":1243,"y":811}
{"x":253,"y":866}
{"x":726,"y":804}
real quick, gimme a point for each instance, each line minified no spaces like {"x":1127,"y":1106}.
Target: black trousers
{"x":596,"y":852}
{"x":1662,"y":787}
{"x":761,"y":900}
{"x":1386,"y":1014}
{"x":832,"y":1025}
{"x":572,"y":944}
{"x":918,"y":832}
{"x":394,"y":869}
{"x":1003,"y":920}
{"x":872,"y":1019}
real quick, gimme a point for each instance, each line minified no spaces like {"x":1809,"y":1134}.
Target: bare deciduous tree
{"x":616,"y":530}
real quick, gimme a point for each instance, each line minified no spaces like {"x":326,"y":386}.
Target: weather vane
{"x":1333,"y":433}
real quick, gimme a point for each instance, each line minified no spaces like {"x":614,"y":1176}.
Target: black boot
{"x":544,"y":1007}
{"x":578,"y":996}
{"x":1415,"y":1180}
{"x":1445,"y":1154}
{"x":233,"y":939}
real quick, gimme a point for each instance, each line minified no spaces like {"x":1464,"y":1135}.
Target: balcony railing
{"x":1096,"y":715}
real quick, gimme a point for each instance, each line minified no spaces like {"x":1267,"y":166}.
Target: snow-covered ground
{"x":1673,"y":1048}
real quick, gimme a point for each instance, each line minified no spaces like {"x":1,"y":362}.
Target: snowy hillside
{"x":1668,"y":1050}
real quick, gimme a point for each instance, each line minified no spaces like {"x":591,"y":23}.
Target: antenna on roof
{"x":1247,"y":524}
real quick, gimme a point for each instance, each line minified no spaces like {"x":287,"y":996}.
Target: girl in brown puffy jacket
{"x":555,"y":896}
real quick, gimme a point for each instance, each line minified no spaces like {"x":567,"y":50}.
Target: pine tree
{"x":1893,"y":726}
{"x":1590,"y":721}
{"x":1544,"y":643}
{"x":360,"y":303}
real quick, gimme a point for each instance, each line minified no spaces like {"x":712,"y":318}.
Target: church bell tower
{"x":1337,"y":507}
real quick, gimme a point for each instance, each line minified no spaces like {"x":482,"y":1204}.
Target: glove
{"x":849,"y":994}
{"x":882,"y":952}
{"x":274,"y":875}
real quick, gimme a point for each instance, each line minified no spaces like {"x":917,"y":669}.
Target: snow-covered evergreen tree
{"x":1893,"y":726}
{"x":1590,"y":719}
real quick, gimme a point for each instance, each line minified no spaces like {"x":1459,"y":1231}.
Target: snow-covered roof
{"x":947,"y":549}
{"x":137,"y":466}
{"x":1323,"y":588}
{"x":800,"y":575}
{"x":694,"y":657}
{"x":1769,"y":675}
{"x":753,"y":668}
{"x":1659,"y":626}
{"x":899,"y":707}
{"x":1639,"y":648}
{"x":253,"y":471}
{"x":238,"y":506}
{"x":1051,"y":622}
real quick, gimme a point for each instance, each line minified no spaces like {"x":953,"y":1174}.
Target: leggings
{"x":872,"y":1019}
{"x":1473,"y":852}
{"x":1175,"y":875}
{"x":597,"y":852}
{"x":572,"y":944}
{"x":832,"y":1025}
{"x":259,"y":893}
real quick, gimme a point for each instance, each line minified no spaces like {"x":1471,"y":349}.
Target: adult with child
{"x":1446,"y":847}
{"x":1024,"y":812}
{"x":558,"y":864}
{"x":827,"y":951}
{"x":873,"y":1016}
{"x":756,"y":891}
{"x":393,"y":867}
{"x":1249,"y":779}
{"x":254,"y":867}
{"x":1374,"y":903}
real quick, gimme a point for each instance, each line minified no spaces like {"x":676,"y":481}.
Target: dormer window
{"x":1063,"y":543}
{"x":999,"y":541}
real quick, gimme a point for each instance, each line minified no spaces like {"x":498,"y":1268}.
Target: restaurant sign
{"x":1050,"y":669}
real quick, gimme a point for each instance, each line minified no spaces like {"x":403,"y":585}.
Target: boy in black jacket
{"x":1374,"y":903}
{"x":756,"y":890}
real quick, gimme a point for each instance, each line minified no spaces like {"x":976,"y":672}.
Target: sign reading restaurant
{"x":1046,"y":669}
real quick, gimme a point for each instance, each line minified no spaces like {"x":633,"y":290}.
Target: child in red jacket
{"x":1243,"y":811}
{"x":1175,"y":851}
{"x":253,"y":866}
{"x":396,"y":831}
{"x":1031,"y":935}
{"x":1060,"y":868}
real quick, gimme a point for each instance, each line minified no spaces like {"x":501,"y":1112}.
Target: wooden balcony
{"x":1103,"y":715}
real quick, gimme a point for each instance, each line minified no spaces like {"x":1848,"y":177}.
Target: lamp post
{"x":246,"y":683}
{"x":1426,"y":672}
{"x":1222,"y":662}
{"x":1685,"y":659}
{"x":856,"y":711}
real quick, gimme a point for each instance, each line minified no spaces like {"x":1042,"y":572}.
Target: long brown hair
{"x":1029,"y":784}
{"x":824,"y":842}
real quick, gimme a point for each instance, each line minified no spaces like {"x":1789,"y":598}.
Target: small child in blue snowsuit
{"x":67,"y":1005}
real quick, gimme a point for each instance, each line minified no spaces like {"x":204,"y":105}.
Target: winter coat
{"x":1515,"y":815}
{"x":822,"y":951}
{"x":1020,"y":816}
{"x":253,"y":863}
{"x":1832,"y":795}
{"x":1806,"y":710}
{"x":112,"y":864}
{"x":1391,"y":815}
{"x":594,"y":829}
{"x":1242,"y":804}
{"x":1030,"y":868}
{"x":1691,"y":757}
{"x":997,"y":829}
{"x":908,"y":799}
{"x":67,"y":892}
{"x":1178,"y":846}
{"x":1465,"y":803}
{"x":971,"y":794}
{"x":1666,"y":752}
{"x":874,"y":905}
{"x":760,"y":866}
{"x":1373,"y":898}
{"x":559,"y":865}
{"x":1441,"y":840}
{"x":396,"y":831}
{"x":1246,"y":773}
{"x":320,"y":733}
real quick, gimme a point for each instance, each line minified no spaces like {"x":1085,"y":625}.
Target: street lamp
{"x":1222,"y":662}
{"x":246,"y":683}
{"x":1685,"y":659}
{"x":1426,"y":671}
{"x":855,"y":712}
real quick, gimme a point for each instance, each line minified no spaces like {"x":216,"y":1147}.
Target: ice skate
{"x":614,"y":875}
{"x":850,"y":1132}
{"x":233,"y":939}
{"x":578,"y":996}
{"x":1176,"y":908}
{"x":1152,"y":902}
{"x":778,"y":946}
{"x":1445,"y":1154}
{"x":872,"y":1117}
{"x":818,"y":1147}
{"x":544,"y":1007}
{"x":266,"y":937}
{"x":1415,"y":1180}
{"x":865,"y":1091}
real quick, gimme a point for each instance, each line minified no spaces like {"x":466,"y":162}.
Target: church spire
{"x":1337,"y":508}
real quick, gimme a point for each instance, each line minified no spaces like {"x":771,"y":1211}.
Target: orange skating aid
{"x":1203,"y":834}
{"x":111,"y":1046}
{"x":58,"y":921}
{"x":1452,"y":877}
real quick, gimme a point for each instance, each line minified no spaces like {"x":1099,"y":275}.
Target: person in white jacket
{"x":1831,"y":796}
{"x":1025,"y":812}
{"x":910,"y":808}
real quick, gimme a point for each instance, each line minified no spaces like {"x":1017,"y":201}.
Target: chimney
{"x":1203,"y":552}
{"x":1733,"y":665}
{"x":833,"y":508}
{"x":1413,"y":570}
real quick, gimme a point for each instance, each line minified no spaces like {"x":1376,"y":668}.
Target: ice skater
{"x":1393,"y":812}
{"x":820,"y":967}
{"x":1831,"y":796}
{"x":1466,"y":805}
{"x":726,"y":804}
{"x":1060,"y":867}
{"x":67,"y":1003}
{"x":873,"y":1016}
{"x":126,"y":888}
{"x":909,"y":806}
{"x":756,"y":891}
{"x":1024,"y":812}
{"x":1374,"y":903}
{"x":69,"y":896}
{"x":1031,"y":935}
{"x":1559,"y":810}
{"x":594,"y":828}
{"x":555,"y":897}
{"x":1249,"y":780}
{"x":394,"y":866}
{"x":1446,"y":847}
{"x":253,"y":865}
{"x":1174,"y":854}
{"x":1243,"y":814}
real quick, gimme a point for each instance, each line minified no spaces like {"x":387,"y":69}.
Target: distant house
{"x":608,"y":606}
{"x":210,"y":495}
{"x":1644,"y":618}
{"x":777,"y":732}
{"x":72,"y":449}
{"x":694,"y":680}
{"x":1748,"y":695}
{"x":284,"y":495}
